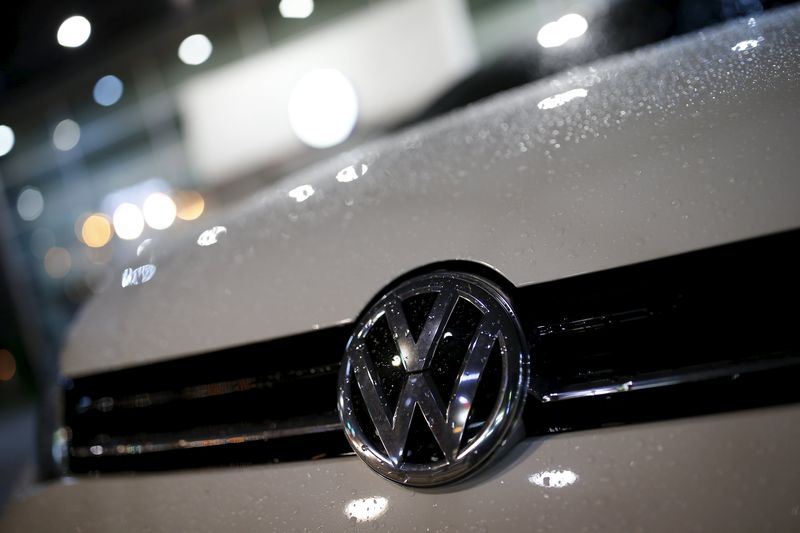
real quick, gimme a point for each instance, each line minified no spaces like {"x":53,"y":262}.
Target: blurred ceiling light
{"x":296,"y":9}
{"x":190,"y":205}
{"x":128,"y":221}
{"x":195,"y":49}
{"x":74,"y":31}
{"x":558,"y":32}
{"x":6,"y":139}
{"x":66,"y":135}
{"x":57,"y":262}
{"x":96,"y":231}
{"x":8,"y":366}
{"x":108,"y":90}
{"x":159,"y":211}
{"x":323,"y":108}
{"x":302,"y":193}
{"x":30,"y":204}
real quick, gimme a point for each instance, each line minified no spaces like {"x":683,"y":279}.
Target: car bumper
{"x":734,"y":472}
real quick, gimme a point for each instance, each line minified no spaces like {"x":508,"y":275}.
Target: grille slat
{"x":700,"y":332}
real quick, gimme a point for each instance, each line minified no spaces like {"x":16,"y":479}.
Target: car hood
{"x":679,"y":146}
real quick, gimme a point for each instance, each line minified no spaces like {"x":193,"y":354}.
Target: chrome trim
{"x":446,"y":417}
{"x":163,"y":443}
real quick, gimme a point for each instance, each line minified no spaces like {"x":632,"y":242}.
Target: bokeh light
{"x":323,"y":108}
{"x":195,"y":49}
{"x":108,"y":90}
{"x":74,"y":31}
{"x":96,"y":230}
{"x":57,"y":262}
{"x":66,"y":135}
{"x":6,"y":139}
{"x":190,"y":205}
{"x":558,"y":32}
{"x":296,"y":9}
{"x":30,"y":204}
{"x":128,"y":221}
{"x":159,"y":211}
{"x":8,"y":365}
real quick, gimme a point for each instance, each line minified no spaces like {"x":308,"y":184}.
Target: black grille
{"x":702,"y":332}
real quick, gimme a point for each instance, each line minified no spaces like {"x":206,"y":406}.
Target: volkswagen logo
{"x":434,"y":378}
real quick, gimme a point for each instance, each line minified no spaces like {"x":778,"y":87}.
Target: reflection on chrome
{"x":210,"y":236}
{"x":350,"y":173}
{"x":554,"y":479}
{"x":741,"y":46}
{"x":366,"y":509}
{"x":139,"y":275}
{"x":302,"y":193}
{"x":560,"y":99}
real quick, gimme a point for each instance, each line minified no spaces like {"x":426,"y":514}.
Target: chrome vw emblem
{"x":434,"y":378}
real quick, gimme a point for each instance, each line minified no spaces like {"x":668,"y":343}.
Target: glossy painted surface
{"x":676,"y":147}
{"x":732,"y":472}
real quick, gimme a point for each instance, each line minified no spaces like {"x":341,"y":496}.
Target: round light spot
{"x":190,"y":205}
{"x":96,"y":231}
{"x":558,"y":32}
{"x":108,"y":90}
{"x":66,"y":135}
{"x":74,"y":31}
{"x":30,"y":204}
{"x":6,"y":139}
{"x":195,"y":49}
{"x":57,"y":262}
{"x":323,"y":108}
{"x":296,"y":9}
{"x":159,"y":211}
{"x":8,"y":366}
{"x":128,"y":221}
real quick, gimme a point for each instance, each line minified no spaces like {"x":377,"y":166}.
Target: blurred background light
{"x":8,"y":365}
{"x":66,"y":135}
{"x":558,"y":32}
{"x":74,"y":31}
{"x":296,"y":9}
{"x":108,"y":90}
{"x":96,"y":230}
{"x":159,"y":211}
{"x":189,"y":204}
{"x":30,"y":204}
{"x":6,"y":139}
{"x":195,"y":49}
{"x":128,"y":221}
{"x":323,"y":108}
{"x":57,"y":262}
